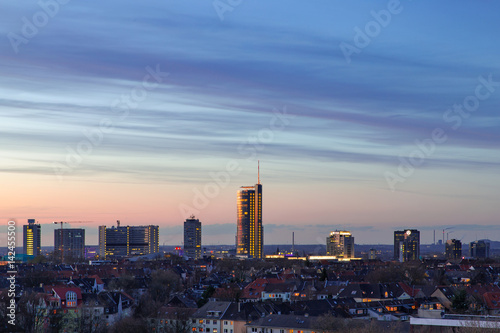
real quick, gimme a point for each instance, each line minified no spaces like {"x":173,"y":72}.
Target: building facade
{"x":453,"y":249}
{"x":407,"y":245}
{"x":123,"y":241}
{"x":69,"y":243}
{"x":192,"y":238}
{"x":340,"y":244}
{"x":250,"y":232}
{"x":479,"y":249}
{"x":32,"y":236}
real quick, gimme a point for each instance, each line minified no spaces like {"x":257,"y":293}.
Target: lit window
{"x":71,"y":299}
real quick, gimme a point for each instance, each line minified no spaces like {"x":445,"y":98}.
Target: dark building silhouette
{"x":453,"y":249}
{"x":407,"y":245}
{"x":479,"y":249}
{"x":192,"y":238}
{"x":71,"y":243}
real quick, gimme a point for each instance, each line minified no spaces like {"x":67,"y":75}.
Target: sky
{"x":365,"y":116}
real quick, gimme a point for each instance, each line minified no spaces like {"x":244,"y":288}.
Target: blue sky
{"x":333,"y":159}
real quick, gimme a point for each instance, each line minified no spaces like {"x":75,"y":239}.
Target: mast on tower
{"x":258,"y":172}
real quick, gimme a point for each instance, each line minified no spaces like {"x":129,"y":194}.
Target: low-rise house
{"x":277,"y":292}
{"x":253,"y":291}
{"x":431,"y":309}
{"x":281,"y":324}
{"x":492,"y":302}
{"x":92,"y":284}
{"x":329,"y":292}
{"x":172,"y":319}
{"x":208,"y":318}
{"x":444,"y":295}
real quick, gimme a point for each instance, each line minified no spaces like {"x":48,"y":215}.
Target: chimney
{"x":118,"y":223}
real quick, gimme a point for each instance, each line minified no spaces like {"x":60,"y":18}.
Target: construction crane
{"x":61,"y":244}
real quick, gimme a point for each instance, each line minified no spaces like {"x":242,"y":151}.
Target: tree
{"x":414,"y":273}
{"x":126,"y":283}
{"x":180,"y":322}
{"x":90,"y":322}
{"x":392,"y":273}
{"x":328,"y":323}
{"x":31,"y":314}
{"x":146,"y":307}
{"x":324,"y":275}
{"x":205,"y":297}
{"x":130,"y":325}
{"x":460,"y":303}
{"x":34,"y":278}
{"x":162,"y":284}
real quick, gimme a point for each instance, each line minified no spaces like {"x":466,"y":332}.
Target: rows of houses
{"x":266,"y":299}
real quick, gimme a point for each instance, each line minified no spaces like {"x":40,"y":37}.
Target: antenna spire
{"x":258,"y":171}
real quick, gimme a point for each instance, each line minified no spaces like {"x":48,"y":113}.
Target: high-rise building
{"x":479,"y":249}
{"x":122,"y":241}
{"x":192,"y":237}
{"x":32,"y":238}
{"x":407,"y":245}
{"x":71,"y":242}
{"x":453,"y":249}
{"x":340,"y":244}
{"x":250,"y":232}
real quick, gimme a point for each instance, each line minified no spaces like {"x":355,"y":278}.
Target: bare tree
{"x":129,"y":325}
{"x":31,"y":314}
{"x":88,"y":321}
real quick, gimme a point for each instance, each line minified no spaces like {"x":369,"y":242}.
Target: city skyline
{"x":163,"y":111}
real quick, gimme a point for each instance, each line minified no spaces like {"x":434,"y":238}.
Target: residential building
{"x":122,"y":241}
{"x":340,"y":244}
{"x":407,"y":245}
{"x":32,"y":238}
{"x":192,"y":238}
{"x":453,"y":249}
{"x":208,"y":318}
{"x":69,"y":243}
{"x":283,"y":323}
{"x":250,"y":232}
{"x":479,"y":249}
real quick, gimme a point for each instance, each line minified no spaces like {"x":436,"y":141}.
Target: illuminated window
{"x":71,"y":299}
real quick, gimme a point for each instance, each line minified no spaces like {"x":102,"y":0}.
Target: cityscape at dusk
{"x":332,"y":120}
{"x":237,"y":166}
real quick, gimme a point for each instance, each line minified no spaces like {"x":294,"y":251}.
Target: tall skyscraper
{"x":407,"y":245}
{"x":192,"y":237}
{"x":479,"y":249}
{"x":122,"y":241}
{"x":32,"y":238}
{"x":453,"y":249}
{"x":73,"y":243}
{"x":250,"y":232}
{"x":340,"y":244}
